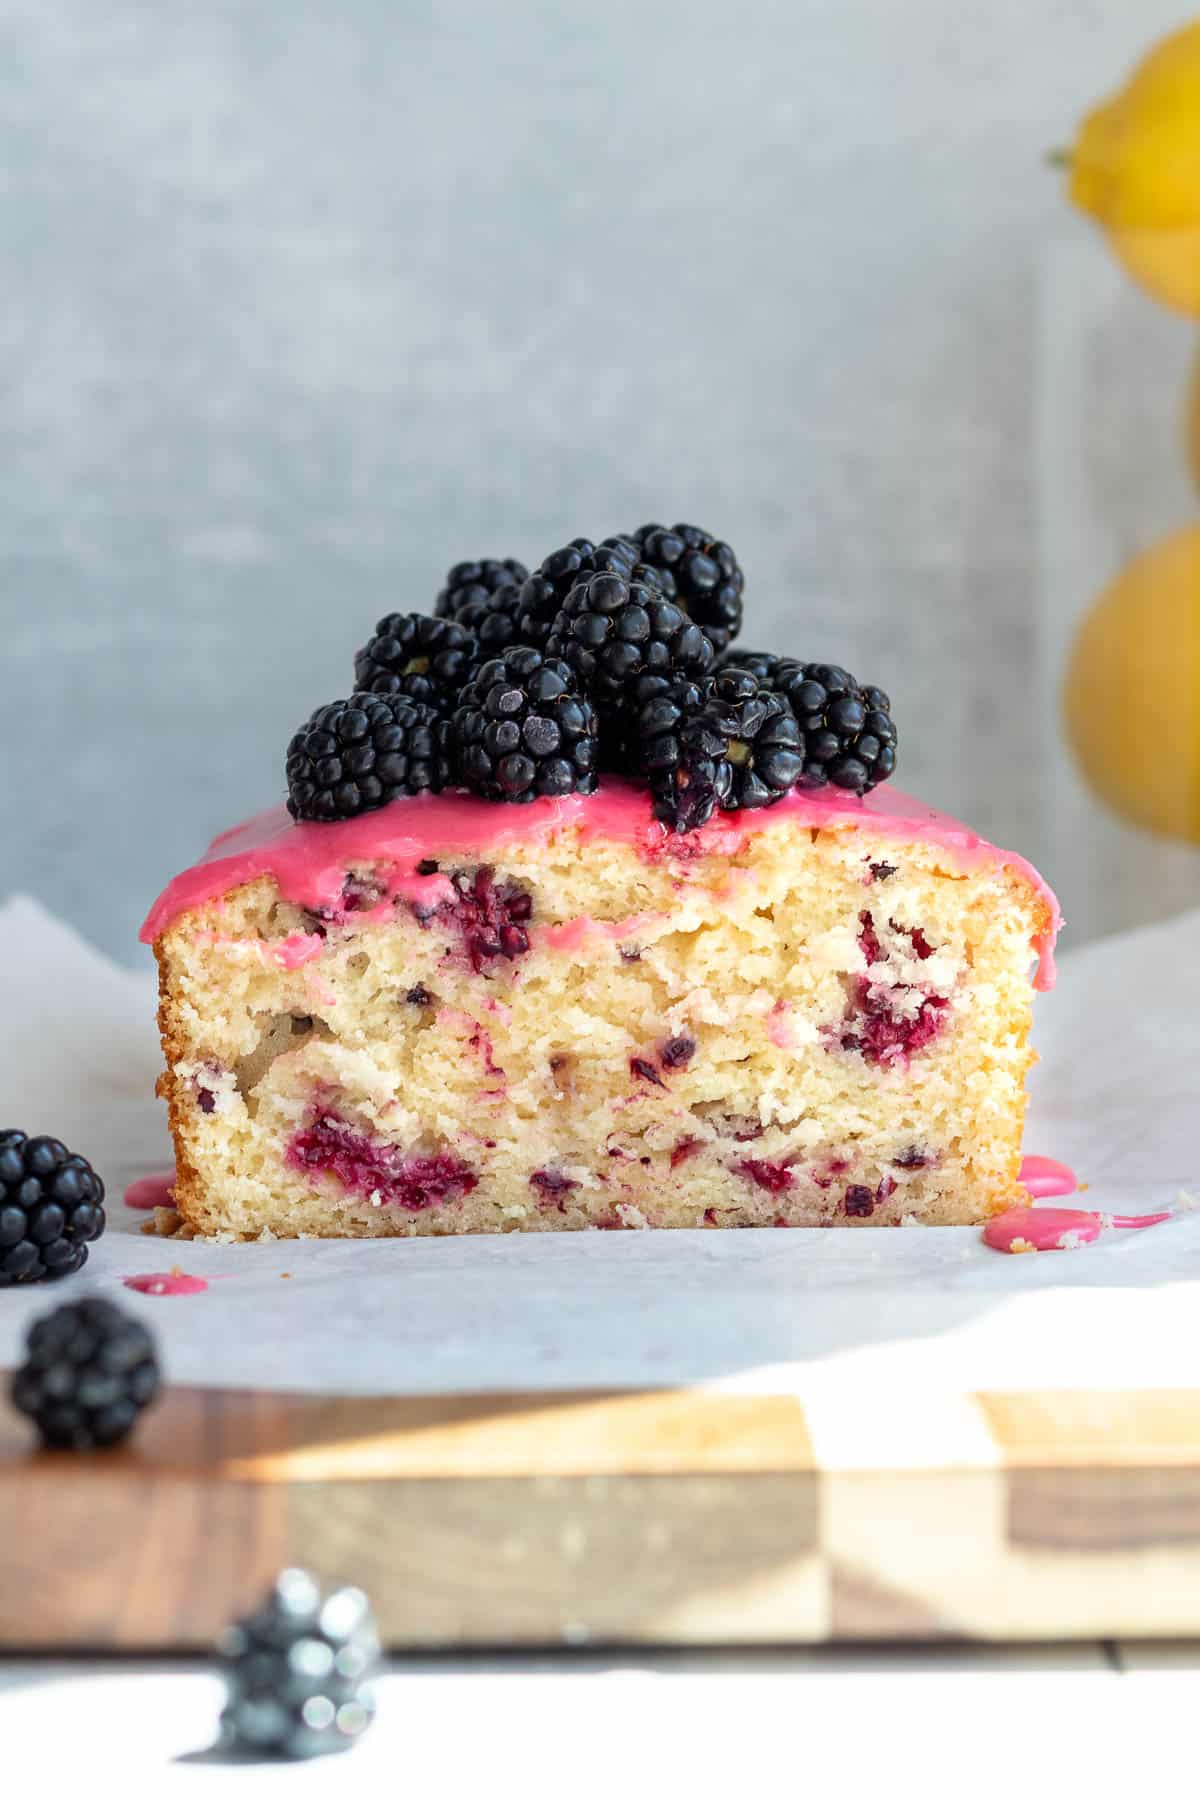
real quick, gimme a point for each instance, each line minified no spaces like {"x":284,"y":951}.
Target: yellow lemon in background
{"x":1135,"y":168}
{"x":1132,"y":694}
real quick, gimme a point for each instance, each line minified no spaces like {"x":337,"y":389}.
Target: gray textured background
{"x":304,"y":302}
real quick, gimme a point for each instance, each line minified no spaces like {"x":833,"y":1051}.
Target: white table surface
{"x":1090,"y":1719}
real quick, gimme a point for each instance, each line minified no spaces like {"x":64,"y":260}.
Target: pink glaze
{"x":309,"y":862}
{"x":1058,"y":1227}
{"x":780,"y":1029}
{"x":298,"y":948}
{"x":173,"y":1282}
{"x":151,"y":1191}
{"x":1043,"y":1178}
{"x":572,"y":934}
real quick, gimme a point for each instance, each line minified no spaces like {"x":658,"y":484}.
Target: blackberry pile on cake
{"x":620,"y":928}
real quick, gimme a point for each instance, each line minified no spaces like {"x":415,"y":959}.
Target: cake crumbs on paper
{"x":1022,"y":1247}
{"x":1185,"y":1202}
{"x":285,"y":1275}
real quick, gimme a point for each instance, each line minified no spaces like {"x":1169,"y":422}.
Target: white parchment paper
{"x":919,"y":1311}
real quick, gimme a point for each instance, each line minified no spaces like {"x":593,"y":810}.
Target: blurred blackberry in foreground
{"x":723,"y":742}
{"x":355,"y":755}
{"x":297,"y":1671}
{"x":484,"y":597}
{"x":849,"y":733}
{"x":423,"y":659}
{"x":88,"y":1372}
{"x":51,"y":1209}
{"x":707,"y":577}
{"x":524,"y":730}
{"x":615,"y":629}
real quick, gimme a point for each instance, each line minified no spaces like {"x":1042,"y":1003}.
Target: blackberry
{"x":546,"y":590}
{"x":723,"y":742}
{"x":762,"y":664}
{"x":297,"y":1671}
{"x":89,"y":1370}
{"x":423,"y":659}
{"x":523,"y":729}
{"x":707,"y":577}
{"x":484,"y":597}
{"x":849,"y":733}
{"x":51,"y":1209}
{"x":357,"y":754}
{"x":617,"y":630}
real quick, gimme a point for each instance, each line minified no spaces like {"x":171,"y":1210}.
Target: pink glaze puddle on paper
{"x":1044,"y":1179}
{"x":172,"y":1281}
{"x":1026,"y":1228}
{"x":151,"y":1191}
{"x":309,"y":862}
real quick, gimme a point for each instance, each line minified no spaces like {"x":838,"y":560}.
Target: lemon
{"x":1135,"y":168}
{"x":1132,"y":691}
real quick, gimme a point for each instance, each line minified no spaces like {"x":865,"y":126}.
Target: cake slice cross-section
{"x":445,"y":1016}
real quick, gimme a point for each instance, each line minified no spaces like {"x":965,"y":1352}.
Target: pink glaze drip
{"x":1059,"y":1227}
{"x":309,"y":862}
{"x":151,"y":1191}
{"x":173,"y":1282}
{"x":1044,"y":1179}
{"x":298,"y":948}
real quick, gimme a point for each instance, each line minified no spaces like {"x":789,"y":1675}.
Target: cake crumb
{"x":285,"y":1275}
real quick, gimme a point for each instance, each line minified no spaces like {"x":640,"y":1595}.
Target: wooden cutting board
{"x":650,"y":1517}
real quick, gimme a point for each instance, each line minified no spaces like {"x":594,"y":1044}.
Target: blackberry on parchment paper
{"x":423,"y":659}
{"x":89,"y":1370}
{"x":355,"y":755}
{"x":523,"y":730}
{"x":298,"y":1670}
{"x":51,"y":1209}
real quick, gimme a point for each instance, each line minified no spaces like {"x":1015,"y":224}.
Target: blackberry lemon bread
{"x":466,"y":983}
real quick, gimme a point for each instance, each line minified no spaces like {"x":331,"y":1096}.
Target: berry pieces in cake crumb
{"x":774,"y":1177}
{"x":552,"y":1182}
{"x":677,"y":1052}
{"x":882,"y":871}
{"x":419,"y":996}
{"x":877,"y":1023}
{"x":383,"y":1173}
{"x":490,"y":916}
{"x":298,"y":1671}
{"x":358,"y":754}
{"x":522,"y":730}
{"x":51,"y":1209}
{"x":89,"y":1370}
{"x":683,"y":1149}
{"x":912,"y":1158}
{"x":645,"y":1071}
{"x":860,"y":1201}
{"x":705,"y":573}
